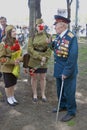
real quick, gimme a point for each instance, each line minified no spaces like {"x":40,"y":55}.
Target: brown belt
{"x":40,"y":50}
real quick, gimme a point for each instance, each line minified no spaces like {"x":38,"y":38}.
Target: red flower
{"x":15,"y":47}
{"x":32,"y":72}
{"x":6,"y":45}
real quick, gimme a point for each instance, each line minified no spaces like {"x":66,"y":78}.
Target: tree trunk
{"x":38,"y":9}
{"x":34,"y":13}
{"x":69,"y":2}
{"x":31,"y":4}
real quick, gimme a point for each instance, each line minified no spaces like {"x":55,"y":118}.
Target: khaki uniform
{"x":37,"y":49}
{"x":8,"y":66}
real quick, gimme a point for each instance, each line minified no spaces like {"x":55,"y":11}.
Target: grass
{"x":83,"y":39}
{"x":71,"y":123}
{"x":82,"y":59}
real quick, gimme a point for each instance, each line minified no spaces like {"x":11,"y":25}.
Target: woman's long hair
{"x":9,"y":39}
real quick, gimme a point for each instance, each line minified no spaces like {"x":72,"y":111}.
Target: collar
{"x":63,"y":33}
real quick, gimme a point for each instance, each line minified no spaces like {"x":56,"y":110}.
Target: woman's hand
{"x":17,"y":61}
{"x":3,"y":60}
{"x":43,"y":61}
{"x":48,"y":40}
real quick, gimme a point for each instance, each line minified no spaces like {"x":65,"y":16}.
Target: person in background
{"x":7,"y":47}
{"x":65,"y":47}
{"x":3,"y":23}
{"x":39,"y":56}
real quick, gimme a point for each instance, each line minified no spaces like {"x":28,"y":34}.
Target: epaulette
{"x":70,"y":34}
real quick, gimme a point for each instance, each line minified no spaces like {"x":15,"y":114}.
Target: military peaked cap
{"x":59,"y":18}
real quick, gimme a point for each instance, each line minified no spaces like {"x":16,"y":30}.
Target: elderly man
{"x":65,"y":48}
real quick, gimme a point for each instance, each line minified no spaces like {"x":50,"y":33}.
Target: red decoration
{"x":15,"y":47}
{"x":41,"y":27}
{"x":32,"y":72}
{"x":3,"y":60}
{"x":6,"y":46}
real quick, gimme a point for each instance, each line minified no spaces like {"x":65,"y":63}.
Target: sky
{"x":49,"y":9}
{"x":17,"y":12}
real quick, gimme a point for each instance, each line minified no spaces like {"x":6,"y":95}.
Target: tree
{"x":34,"y":13}
{"x":38,"y":9}
{"x":69,"y":2}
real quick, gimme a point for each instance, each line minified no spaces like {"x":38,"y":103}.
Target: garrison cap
{"x":39,"y":21}
{"x":8,"y":28}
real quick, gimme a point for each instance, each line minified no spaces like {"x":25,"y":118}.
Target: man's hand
{"x":64,"y":77}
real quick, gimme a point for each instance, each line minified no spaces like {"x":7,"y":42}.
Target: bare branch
{"x":69,"y":2}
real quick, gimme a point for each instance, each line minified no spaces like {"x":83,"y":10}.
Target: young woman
{"x":39,"y":55}
{"x":7,"y":48}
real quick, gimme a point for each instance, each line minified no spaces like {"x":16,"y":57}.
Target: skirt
{"x":9,"y":80}
{"x":39,"y":70}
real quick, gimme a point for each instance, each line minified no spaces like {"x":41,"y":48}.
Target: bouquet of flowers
{"x":16,"y":69}
{"x":16,"y":54}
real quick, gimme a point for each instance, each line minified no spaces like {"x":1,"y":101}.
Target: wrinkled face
{"x":40,"y":27}
{"x":59,"y":27}
{"x":13,"y":33}
{"x":3,"y":22}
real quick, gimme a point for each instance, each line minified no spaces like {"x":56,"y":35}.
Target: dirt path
{"x":38,"y":116}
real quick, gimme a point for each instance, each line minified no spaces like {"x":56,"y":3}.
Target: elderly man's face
{"x":59,"y":27}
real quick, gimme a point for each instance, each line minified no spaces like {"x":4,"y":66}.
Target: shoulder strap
{"x":33,"y":37}
{"x":70,"y":34}
{"x":45,"y":32}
